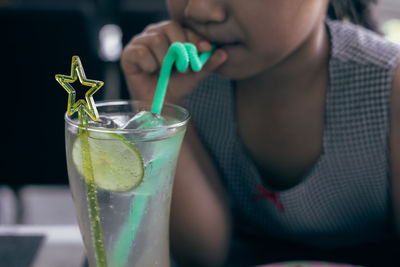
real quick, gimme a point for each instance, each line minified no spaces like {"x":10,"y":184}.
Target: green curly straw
{"x":180,"y":54}
{"x":84,"y":108}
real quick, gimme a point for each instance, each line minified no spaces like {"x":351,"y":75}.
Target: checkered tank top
{"x":345,"y":196}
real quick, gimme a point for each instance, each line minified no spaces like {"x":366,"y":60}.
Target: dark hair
{"x":356,"y":11}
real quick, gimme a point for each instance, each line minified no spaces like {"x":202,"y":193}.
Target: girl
{"x":295,"y":137}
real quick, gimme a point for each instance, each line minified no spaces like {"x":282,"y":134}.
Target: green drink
{"x":133,"y":170}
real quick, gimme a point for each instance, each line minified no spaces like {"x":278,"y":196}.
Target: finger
{"x":215,"y":61}
{"x":172,"y":30}
{"x":157,"y":43}
{"x":138,"y":58}
{"x":204,"y":46}
{"x":201,"y":43}
{"x":128,"y":61}
{"x":155,"y":26}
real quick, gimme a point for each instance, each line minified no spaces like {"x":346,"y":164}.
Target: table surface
{"x":62,"y":246}
{"x":47,"y":245}
{"x":58,"y":245}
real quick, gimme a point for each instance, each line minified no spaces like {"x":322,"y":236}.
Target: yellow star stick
{"x":77,"y":72}
{"x":84,"y":108}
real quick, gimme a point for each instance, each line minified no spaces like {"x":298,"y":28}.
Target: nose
{"x":205,"y":11}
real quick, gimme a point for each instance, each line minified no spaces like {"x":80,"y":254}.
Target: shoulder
{"x":354,"y":44}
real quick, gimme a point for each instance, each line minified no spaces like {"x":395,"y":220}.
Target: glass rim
{"x":105,"y":103}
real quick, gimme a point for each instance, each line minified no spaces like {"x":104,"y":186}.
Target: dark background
{"x":37,"y":40}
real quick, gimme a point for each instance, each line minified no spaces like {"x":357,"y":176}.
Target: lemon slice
{"x":117,"y":165}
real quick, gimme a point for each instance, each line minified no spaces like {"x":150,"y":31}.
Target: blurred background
{"x":37,"y":40}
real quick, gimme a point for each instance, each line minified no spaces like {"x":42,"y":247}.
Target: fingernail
{"x":204,"y":45}
{"x":220,"y":54}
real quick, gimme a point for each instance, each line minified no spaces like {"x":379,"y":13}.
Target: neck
{"x":299,"y":71}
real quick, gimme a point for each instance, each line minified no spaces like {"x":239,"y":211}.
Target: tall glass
{"x":135,"y":222}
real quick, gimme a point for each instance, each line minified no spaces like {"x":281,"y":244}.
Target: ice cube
{"x":144,"y":120}
{"x":120,"y":119}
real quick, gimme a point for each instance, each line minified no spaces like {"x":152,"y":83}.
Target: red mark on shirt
{"x":272,"y":196}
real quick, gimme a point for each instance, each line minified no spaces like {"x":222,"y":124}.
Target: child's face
{"x":256,"y":34}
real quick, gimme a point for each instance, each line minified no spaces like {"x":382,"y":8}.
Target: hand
{"x":142,"y":60}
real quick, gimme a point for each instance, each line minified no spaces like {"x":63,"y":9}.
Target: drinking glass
{"x":133,"y":213}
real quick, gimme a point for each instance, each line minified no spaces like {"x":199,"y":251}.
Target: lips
{"x":220,"y":38}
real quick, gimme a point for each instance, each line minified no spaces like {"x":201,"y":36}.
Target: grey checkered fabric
{"x":345,"y":196}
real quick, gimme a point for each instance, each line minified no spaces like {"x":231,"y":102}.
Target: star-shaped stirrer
{"x":86,"y":104}
{"x":86,"y":107}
